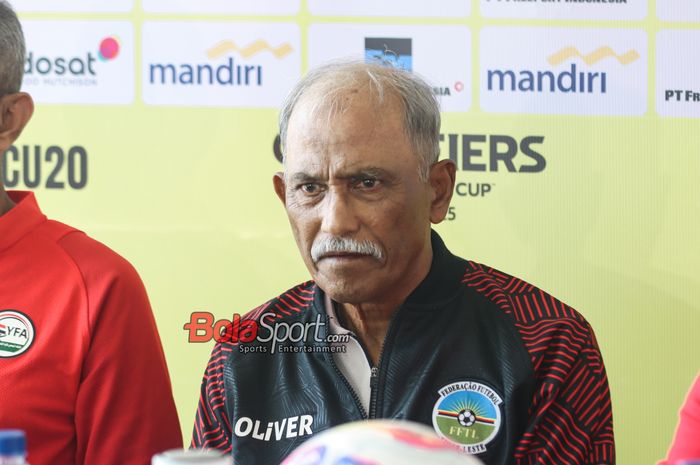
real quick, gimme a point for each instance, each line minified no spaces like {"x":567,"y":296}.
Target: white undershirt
{"x":353,"y":362}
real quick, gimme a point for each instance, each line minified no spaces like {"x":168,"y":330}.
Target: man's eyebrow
{"x":359,"y":173}
{"x":302,"y":177}
{"x":368,"y":172}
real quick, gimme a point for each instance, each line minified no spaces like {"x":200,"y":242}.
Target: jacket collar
{"x":444,"y":280}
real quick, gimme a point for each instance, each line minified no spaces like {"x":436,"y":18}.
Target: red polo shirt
{"x":82,"y":370}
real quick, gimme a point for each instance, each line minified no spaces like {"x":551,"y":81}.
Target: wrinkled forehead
{"x":342,"y":116}
{"x":352,"y":132}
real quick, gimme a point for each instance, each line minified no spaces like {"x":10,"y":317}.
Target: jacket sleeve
{"x":685,"y":442}
{"x":124,"y":411}
{"x":212,"y":427}
{"x":571,"y":414}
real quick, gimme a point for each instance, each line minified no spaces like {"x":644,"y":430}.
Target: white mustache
{"x":344,"y":245}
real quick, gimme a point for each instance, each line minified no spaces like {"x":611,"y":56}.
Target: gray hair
{"x":331,"y":82}
{"x":12,"y":50}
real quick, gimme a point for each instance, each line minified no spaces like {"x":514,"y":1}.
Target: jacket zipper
{"x":374,"y":375}
{"x":355,"y":397}
{"x":373,"y":380}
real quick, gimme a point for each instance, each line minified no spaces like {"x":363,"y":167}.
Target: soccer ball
{"x":191,"y":456}
{"x":466,"y":418}
{"x":378,"y":442}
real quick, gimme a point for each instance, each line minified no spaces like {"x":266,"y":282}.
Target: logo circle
{"x":16,"y":333}
{"x":109,"y":48}
{"x":468,"y":415}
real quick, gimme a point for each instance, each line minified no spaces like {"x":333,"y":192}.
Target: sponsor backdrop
{"x":575,"y":126}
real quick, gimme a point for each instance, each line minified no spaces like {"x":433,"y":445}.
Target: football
{"x":378,"y":442}
{"x":466,"y":418}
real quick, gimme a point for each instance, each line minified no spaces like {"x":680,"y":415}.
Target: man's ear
{"x":280,"y":187}
{"x":15,"y":111}
{"x":442,"y":182}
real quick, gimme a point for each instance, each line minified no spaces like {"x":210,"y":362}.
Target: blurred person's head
{"x":16,"y":107}
{"x":12,"y":51}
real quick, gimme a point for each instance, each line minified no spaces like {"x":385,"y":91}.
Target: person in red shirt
{"x":82,"y":369}
{"x":686,"y":442}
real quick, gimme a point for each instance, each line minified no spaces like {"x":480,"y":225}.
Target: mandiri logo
{"x":558,"y":71}
{"x":216,"y":64}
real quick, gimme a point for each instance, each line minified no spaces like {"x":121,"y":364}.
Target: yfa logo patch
{"x":16,"y":333}
{"x":468,"y":415}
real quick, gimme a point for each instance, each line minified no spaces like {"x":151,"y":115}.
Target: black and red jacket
{"x":465,"y":323}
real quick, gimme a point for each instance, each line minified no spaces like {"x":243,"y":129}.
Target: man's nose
{"x":339,"y":217}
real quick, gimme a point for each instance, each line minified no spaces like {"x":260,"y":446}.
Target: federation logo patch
{"x":16,"y":333}
{"x":468,"y":414}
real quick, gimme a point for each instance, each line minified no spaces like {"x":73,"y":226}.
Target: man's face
{"x":355,"y":176}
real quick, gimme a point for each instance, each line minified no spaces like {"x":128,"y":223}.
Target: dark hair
{"x":12,"y":50}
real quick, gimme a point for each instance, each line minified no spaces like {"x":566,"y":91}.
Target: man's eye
{"x":309,"y":188}
{"x":369,"y":183}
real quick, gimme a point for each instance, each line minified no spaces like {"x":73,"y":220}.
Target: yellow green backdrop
{"x":610,"y":226}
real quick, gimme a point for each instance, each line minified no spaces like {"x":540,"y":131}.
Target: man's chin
{"x":345,"y":280}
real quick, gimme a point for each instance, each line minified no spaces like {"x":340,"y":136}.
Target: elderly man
{"x":496,"y":366}
{"x":82,"y":371}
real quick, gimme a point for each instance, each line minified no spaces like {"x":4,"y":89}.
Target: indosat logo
{"x":70,"y":70}
{"x":222,"y":70}
{"x":397,"y":52}
{"x":569,"y":80}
